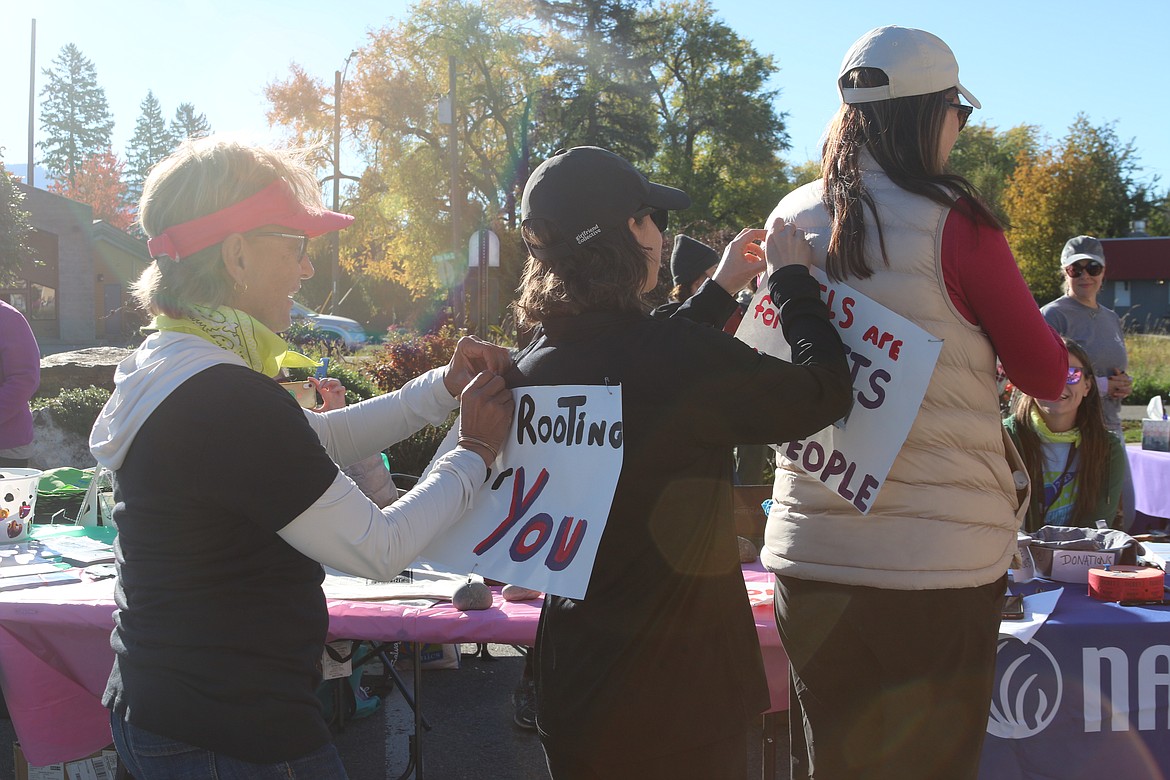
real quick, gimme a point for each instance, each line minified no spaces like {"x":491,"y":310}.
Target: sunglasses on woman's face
{"x":1075,"y":373}
{"x":1075,"y":270}
{"x":660,"y":217}
{"x":964,"y":113}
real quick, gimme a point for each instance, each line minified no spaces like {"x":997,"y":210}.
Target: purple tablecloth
{"x":1151,"y":480}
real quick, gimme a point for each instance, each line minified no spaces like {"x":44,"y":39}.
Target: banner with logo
{"x":538,"y":518}
{"x":891,"y":360}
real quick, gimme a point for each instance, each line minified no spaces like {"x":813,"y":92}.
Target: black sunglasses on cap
{"x":1074,"y":271}
{"x":661,"y":217}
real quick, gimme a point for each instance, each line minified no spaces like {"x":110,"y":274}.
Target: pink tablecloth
{"x":55,"y":652}
{"x":1151,"y":480}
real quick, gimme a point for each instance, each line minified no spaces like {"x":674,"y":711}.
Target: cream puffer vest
{"x":948,"y":512}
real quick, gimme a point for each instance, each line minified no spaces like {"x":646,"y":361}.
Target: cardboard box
{"x":1156,"y":435}
{"x":102,"y":765}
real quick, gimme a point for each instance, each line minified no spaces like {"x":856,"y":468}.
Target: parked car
{"x":343,"y":329}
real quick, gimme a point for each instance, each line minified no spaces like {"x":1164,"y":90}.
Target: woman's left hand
{"x":332,"y":393}
{"x":472,"y":357}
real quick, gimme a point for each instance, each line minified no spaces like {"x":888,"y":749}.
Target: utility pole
{"x":453,"y":150}
{"x":29,"y":176}
{"x":336,"y":239}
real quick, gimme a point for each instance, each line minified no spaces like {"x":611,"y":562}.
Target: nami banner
{"x":538,"y":518}
{"x":891,"y":359}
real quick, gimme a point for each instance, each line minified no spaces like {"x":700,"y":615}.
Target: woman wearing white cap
{"x":657,"y":671}
{"x":890,"y":618}
{"x":1078,"y":315}
{"x":228,"y":494}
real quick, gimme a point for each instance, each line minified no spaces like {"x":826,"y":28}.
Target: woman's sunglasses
{"x":1074,"y":271}
{"x":1075,"y":373}
{"x":660,"y":217}
{"x":964,"y":112}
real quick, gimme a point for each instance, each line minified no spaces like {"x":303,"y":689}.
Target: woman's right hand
{"x":485,"y":415}
{"x":742,"y":260}
{"x":786,"y":245}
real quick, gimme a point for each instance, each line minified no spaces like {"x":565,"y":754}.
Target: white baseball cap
{"x":915,"y":62}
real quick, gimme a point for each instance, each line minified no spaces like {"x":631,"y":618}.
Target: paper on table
{"x":1037,"y":608}
{"x":426,"y":582}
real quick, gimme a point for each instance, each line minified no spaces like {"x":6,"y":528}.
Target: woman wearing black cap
{"x":615,"y":670}
{"x":890,"y":618}
{"x":705,"y":285}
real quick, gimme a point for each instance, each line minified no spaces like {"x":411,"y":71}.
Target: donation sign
{"x":537,"y":519}
{"x":891,"y":360}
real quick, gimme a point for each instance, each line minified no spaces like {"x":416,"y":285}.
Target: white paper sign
{"x":891,"y":360}
{"x":538,"y":519}
{"x":1074,"y":565}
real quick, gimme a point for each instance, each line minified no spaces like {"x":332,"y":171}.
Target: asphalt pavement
{"x":472,"y":735}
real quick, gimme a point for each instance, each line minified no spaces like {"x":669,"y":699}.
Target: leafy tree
{"x":14,"y":228}
{"x":807,"y":171}
{"x":189,"y":124}
{"x":98,"y":183}
{"x":402,"y":202}
{"x":151,"y":142}
{"x":74,"y":114}
{"x":1083,"y":184}
{"x":597,"y":81}
{"x":987,"y":158}
{"x":720,"y":135}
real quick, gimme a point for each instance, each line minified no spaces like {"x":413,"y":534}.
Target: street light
{"x":338,"y":78}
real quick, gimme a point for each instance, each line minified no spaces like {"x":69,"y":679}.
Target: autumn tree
{"x":720,"y":136}
{"x":1084,"y":184}
{"x":151,"y":142}
{"x":98,"y":183}
{"x":75,"y":116}
{"x":402,"y":201}
{"x":14,"y":228}
{"x":987,"y":157}
{"x":188,"y":123}
{"x":597,"y":82}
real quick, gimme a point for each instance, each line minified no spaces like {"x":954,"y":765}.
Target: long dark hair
{"x":605,"y":274}
{"x":1093,"y":450}
{"x":902,"y":134}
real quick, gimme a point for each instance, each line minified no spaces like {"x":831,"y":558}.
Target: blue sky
{"x":1028,"y":61}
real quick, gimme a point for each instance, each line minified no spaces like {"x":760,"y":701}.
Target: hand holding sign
{"x":485,"y":415}
{"x":472,"y":356}
{"x":786,"y":245}
{"x":742,"y":259}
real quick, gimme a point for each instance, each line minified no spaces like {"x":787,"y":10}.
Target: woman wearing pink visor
{"x":228,"y":495}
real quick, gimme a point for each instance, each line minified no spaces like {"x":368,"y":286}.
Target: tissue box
{"x":1156,"y":435}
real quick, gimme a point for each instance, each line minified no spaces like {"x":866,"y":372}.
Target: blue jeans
{"x":148,"y":756}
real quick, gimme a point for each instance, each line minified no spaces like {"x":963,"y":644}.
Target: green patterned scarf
{"x":238,"y":332}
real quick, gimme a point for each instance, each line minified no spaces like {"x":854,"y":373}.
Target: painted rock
{"x":472,"y":595}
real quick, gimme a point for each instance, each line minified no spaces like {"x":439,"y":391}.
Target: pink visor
{"x":273,"y":205}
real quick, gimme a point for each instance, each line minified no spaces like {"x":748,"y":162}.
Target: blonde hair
{"x":199,"y":178}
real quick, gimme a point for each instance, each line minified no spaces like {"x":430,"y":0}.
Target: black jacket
{"x":662,"y":653}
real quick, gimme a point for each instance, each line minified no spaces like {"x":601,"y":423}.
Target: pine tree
{"x":74,"y":115}
{"x":152,"y":141}
{"x":188,"y":124}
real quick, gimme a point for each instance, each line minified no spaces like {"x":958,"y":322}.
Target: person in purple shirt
{"x":20,"y":376}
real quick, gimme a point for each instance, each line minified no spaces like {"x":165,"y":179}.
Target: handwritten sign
{"x":538,"y":518}
{"x":891,"y":360}
{"x":1074,"y":565}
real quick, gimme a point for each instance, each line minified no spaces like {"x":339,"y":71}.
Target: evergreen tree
{"x":74,"y":114}
{"x":152,"y":141}
{"x":188,"y":124}
{"x":602,"y":91}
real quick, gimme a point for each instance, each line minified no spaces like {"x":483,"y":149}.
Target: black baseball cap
{"x":587,"y":191}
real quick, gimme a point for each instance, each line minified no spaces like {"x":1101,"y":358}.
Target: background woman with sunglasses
{"x":1075,"y":466}
{"x":890,"y":618}
{"x":1078,"y":316}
